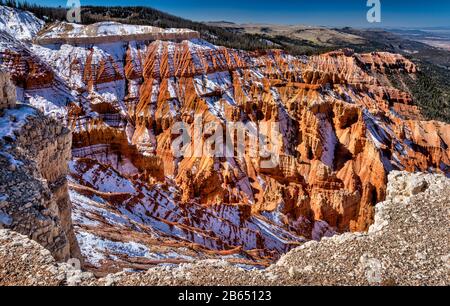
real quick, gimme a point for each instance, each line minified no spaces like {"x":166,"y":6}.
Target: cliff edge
{"x":34,"y":198}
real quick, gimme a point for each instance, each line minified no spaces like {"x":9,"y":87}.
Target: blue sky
{"x":395,"y":13}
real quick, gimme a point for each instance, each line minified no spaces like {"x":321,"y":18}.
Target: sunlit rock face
{"x":34,"y":198}
{"x":7,"y":91}
{"x":342,"y":129}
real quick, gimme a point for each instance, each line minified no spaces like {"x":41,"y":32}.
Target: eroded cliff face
{"x":34,"y":198}
{"x":7,"y":91}
{"x":343,"y":128}
{"x":341,"y":134}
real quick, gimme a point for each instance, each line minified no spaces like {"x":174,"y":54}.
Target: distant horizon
{"x":408,"y":14}
{"x":318,"y":25}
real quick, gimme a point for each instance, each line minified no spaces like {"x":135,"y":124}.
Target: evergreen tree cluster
{"x":431,"y":91}
{"x":48,"y":14}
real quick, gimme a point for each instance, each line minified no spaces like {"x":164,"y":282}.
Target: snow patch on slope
{"x":14,"y":119}
{"x":96,"y":248}
{"x":103,"y":181}
{"x":20,"y":24}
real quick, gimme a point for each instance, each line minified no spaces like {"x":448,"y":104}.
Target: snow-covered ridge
{"x":64,"y":32}
{"x":104,"y":29}
{"x":20,"y":24}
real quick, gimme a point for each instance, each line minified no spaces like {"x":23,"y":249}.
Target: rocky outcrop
{"x":24,"y":262}
{"x":380,"y":61}
{"x":406,"y":245}
{"x":7,"y":91}
{"x":34,"y":199}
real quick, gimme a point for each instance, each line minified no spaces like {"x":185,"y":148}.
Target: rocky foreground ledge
{"x":407,"y":245}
